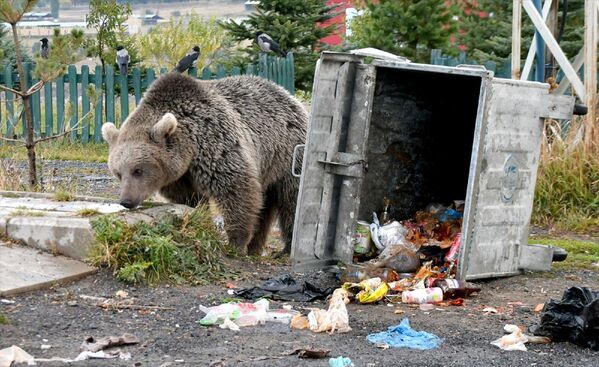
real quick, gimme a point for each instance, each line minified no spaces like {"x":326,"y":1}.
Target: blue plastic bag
{"x":340,"y":362}
{"x":403,"y":336}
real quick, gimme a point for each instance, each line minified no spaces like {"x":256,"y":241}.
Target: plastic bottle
{"x":453,"y":288}
{"x":452,"y":254}
{"x":356,"y":274}
{"x":385,"y":215}
{"x":425,"y":295}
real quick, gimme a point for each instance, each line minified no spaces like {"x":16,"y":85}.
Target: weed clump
{"x":3,"y":319}
{"x":185,"y":249}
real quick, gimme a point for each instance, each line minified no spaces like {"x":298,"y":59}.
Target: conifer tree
{"x":295,"y":25}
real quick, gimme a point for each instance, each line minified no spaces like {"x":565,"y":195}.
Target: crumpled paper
{"x":334,"y":319}
{"x":516,"y":339}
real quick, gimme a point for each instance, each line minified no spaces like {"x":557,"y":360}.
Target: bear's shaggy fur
{"x":230,"y":140}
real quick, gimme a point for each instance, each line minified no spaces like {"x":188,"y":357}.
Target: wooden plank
{"x":236,"y":71}
{"x":206,"y":74}
{"x":98,"y":80}
{"x":576,"y":64}
{"x":291,"y":61}
{"x":36,"y":110}
{"x":590,"y":73}
{"x":110,"y":113}
{"x":74,"y":100}
{"x":516,"y":37}
{"x":193,"y":72}
{"x":60,"y":104}
{"x":85,"y":103}
{"x":10,"y":109}
{"x":124,"y":90}
{"x":533,"y":45}
{"x":137,"y":85}
{"x":220,"y":72}
{"x":150,"y":77}
{"x":48,"y":110}
{"x":554,"y":47}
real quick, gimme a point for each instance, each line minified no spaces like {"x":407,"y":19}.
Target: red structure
{"x":337,"y":36}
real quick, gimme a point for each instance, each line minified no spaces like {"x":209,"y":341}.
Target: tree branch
{"x":68,"y":131}
{"x":13,"y":140}
{"x":7,"y":89}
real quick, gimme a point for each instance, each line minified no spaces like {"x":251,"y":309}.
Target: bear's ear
{"x":110,"y":133}
{"x":164,"y":127}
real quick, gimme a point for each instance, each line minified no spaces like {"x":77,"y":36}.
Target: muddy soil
{"x":171,"y":337}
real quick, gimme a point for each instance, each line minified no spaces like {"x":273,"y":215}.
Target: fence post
{"x":85,"y":103}
{"x":220,"y":72}
{"x":124,"y":97}
{"x":10,"y":110}
{"x":110,"y":116}
{"x":60,"y":103}
{"x":35,"y":106}
{"x":137,"y":85}
{"x":206,"y":74}
{"x":150,"y":77}
{"x":74,"y":99}
{"x":98,"y":76}
{"x":48,"y":110}
{"x":193,"y":72}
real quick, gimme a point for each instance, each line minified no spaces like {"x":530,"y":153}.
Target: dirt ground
{"x":171,"y":337}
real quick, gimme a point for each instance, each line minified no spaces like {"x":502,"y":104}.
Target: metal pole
{"x":540,"y":72}
{"x":590,"y":73}
{"x":516,"y":30}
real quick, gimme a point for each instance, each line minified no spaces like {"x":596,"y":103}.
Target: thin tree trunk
{"x":29,"y":140}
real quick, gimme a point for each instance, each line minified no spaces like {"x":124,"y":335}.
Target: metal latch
{"x":345,"y":164}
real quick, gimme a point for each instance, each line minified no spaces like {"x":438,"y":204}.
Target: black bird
{"x":122,"y":59}
{"x":45,"y":50}
{"x":267,"y":44}
{"x":189,"y":60}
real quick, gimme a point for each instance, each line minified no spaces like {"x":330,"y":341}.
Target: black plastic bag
{"x":285,"y":288}
{"x":575,"y":318}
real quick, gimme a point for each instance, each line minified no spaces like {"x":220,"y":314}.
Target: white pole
{"x":590,"y":72}
{"x":533,"y":46}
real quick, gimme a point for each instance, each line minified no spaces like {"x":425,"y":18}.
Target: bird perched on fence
{"x":189,"y":60}
{"x":45,"y":49}
{"x":267,"y":44}
{"x":122,"y":59}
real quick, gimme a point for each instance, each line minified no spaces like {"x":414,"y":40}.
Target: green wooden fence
{"x":501,"y":70}
{"x":68,"y":96}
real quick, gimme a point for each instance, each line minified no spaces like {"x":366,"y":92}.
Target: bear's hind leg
{"x":267,"y":214}
{"x":286,"y":202}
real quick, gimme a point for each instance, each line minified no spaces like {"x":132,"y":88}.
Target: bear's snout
{"x":128,"y":203}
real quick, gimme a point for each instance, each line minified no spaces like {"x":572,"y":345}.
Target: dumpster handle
{"x":295,"y":149}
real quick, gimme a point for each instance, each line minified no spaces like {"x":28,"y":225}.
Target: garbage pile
{"x":415,"y":259}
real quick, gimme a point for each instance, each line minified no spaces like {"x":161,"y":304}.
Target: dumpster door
{"x":503,"y":173}
{"x":334,"y":162}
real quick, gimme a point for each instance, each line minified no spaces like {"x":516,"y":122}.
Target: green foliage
{"x":166,"y":44}
{"x":7,"y":50}
{"x":179,"y":250}
{"x":107,"y":17}
{"x":294,"y":25}
{"x":11,"y":11}
{"x":567,"y":191}
{"x":405,"y":27}
{"x":3,"y":319}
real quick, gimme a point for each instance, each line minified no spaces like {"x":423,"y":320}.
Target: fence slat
{"x":85,"y":103}
{"x":137,"y":85}
{"x":10,"y":109}
{"x":206,"y":74}
{"x":98,"y":74}
{"x":124,"y":90}
{"x":48,"y":110}
{"x":60,"y":104}
{"x":150,"y":77}
{"x":193,"y":72}
{"x":74,"y":101}
{"x":110,"y":116}
{"x":36,"y":108}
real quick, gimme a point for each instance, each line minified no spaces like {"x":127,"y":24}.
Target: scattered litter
{"x":230,"y":286}
{"x":233,"y":315}
{"x":403,"y":336}
{"x":15,"y":355}
{"x":427,"y":306}
{"x":311,"y":353}
{"x":382,"y":346}
{"x":424,"y":295}
{"x":92,"y":345}
{"x":340,"y":362}
{"x":334,"y":319}
{"x":111,"y":304}
{"x":368,"y":291}
{"x":230,"y":292}
{"x":399,"y":311}
{"x":121,"y":294}
{"x":539,"y":307}
{"x":102,"y":355}
{"x":7,"y":301}
{"x":575,"y":318}
{"x":45,"y":346}
{"x":285,"y":288}
{"x":300,"y":322}
{"x":515,"y":340}
{"x":489,"y":310}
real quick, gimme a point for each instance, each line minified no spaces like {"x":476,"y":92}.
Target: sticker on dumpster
{"x":509,"y":181}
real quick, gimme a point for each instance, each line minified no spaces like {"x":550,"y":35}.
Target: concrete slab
{"x":58,"y":227}
{"x":24,"y":269}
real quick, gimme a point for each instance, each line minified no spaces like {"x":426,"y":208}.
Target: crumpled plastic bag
{"x":515,"y":340}
{"x":369,"y":290}
{"x":335,"y":319}
{"x":403,"y":336}
{"x":575,"y":318}
{"x":340,"y":362}
{"x":285,"y":288}
{"x":390,"y":234}
{"x":16,"y":355}
{"x":92,"y":345}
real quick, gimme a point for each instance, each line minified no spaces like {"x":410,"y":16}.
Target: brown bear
{"x":230,"y":140}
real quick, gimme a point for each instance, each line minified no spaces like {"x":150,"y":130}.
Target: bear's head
{"x":144,"y":154}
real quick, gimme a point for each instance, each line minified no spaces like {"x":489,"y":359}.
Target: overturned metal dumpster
{"x":418,"y":134}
